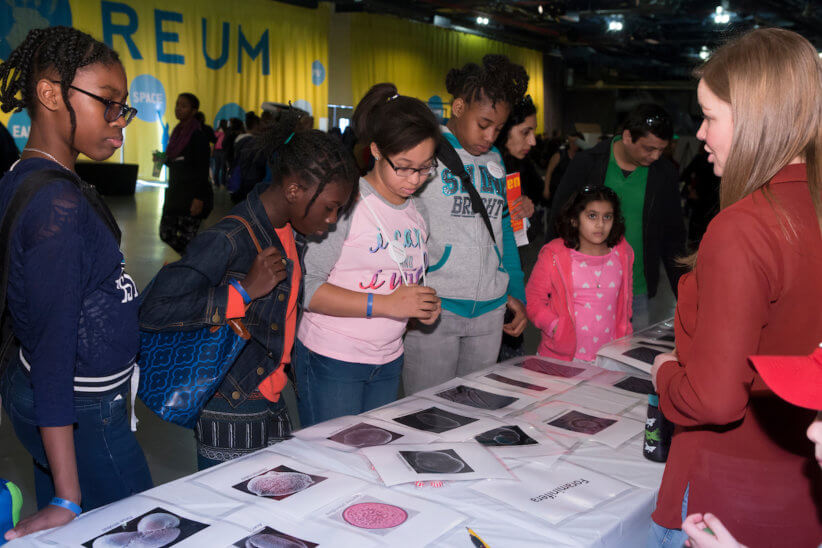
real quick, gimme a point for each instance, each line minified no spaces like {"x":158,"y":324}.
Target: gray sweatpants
{"x":452,"y":347}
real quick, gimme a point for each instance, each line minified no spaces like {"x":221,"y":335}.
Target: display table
{"x":637,"y":351}
{"x":350,"y":505}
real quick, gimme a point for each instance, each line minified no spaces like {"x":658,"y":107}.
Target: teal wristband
{"x":241,"y":290}
{"x":369,"y":307}
{"x":67,"y":504}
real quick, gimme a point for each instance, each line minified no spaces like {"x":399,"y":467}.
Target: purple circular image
{"x":279,"y":484}
{"x":374,"y":515}
{"x":437,"y":462}
{"x":367,"y":437}
{"x":267,"y":540}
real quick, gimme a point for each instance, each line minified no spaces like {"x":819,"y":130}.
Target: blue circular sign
{"x":148,"y":96}
{"x":435,"y":104}
{"x":227,"y":112}
{"x":317,"y":73}
{"x":18,"y":18}
{"x":19,"y":126}
{"x":302,"y":104}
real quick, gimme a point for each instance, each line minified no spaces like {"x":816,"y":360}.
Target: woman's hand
{"x":267,"y":270}
{"x":48,"y":517}
{"x":517,"y":325}
{"x":658,"y":361}
{"x":706,"y":531}
{"x":522,"y":208}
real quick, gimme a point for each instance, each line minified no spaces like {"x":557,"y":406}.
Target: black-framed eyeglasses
{"x":114,"y":109}
{"x":425,"y":172}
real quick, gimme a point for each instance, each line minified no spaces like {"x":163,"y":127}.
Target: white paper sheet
{"x":564,"y":421}
{"x":511,"y":378}
{"x":565,"y":372}
{"x":392,"y":518}
{"x":514,"y":438}
{"x":600,"y":399}
{"x":435,"y":461}
{"x":184,"y":493}
{"x":350,"y":433}
{"x":475,"y":397}
{"x":277,"y":482}
{"x":553,"y":494}
{"x":131,"y":521}
{"x":432,"y":417}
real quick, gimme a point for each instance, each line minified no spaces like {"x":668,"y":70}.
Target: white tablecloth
{"x":620,"y":522}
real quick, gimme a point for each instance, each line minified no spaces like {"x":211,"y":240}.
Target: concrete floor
{"x":170,"y":449}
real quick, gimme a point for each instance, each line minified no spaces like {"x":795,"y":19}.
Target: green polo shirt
{"x":631,"y":192}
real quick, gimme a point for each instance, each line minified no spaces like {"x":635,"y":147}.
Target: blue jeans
{"x":329,"y":388}
{"x":662,"y":537}
{"x":110,"y":463}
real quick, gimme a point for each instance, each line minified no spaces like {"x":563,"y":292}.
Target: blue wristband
{"x":369,"y":307}
{"x":67,"y":504}
{"x":241,"y":290}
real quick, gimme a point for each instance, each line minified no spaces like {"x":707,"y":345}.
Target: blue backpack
{"x":11,"y":501}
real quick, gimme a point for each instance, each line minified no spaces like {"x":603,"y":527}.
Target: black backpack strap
{"x":451,"y":159}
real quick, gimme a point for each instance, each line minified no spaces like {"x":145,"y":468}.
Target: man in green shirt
{"x":648,"y":188}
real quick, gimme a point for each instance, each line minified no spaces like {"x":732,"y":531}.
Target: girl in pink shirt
{"x":579,"y":293}
{"x":367,"y":278}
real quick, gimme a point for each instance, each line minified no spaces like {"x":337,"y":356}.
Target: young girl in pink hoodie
{"x":579,"y":293}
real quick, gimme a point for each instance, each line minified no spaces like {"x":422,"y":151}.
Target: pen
{"x":475,"y":540}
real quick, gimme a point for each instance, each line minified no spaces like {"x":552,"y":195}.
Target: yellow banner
{"x":231,"y":59}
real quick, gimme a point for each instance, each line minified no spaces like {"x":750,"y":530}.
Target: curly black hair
{"x":519,"y":112}
{"x":312,"y":156}
{"x":63,"y":50}
{"x":577,"y":203}
{"x":498,"y":80}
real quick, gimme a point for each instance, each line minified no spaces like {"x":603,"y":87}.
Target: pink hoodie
{"x":549,"y":297}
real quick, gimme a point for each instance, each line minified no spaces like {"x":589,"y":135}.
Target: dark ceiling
{"x":660,"y":40}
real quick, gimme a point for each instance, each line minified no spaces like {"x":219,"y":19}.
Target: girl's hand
{"x":48,"y":517}
{"x":658,"y":361}
{"x":434,"y":315}
{"x":196,"y":207}
{"x":699,"y":537}
{"x":516,"y":326}
{"x":267,"y":270}
{"x":522,"y":208}
{"x":410,"y":301}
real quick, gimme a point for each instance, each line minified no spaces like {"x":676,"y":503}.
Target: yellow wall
{"x":416,"y":57}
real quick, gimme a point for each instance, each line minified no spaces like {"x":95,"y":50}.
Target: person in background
{"x":189,"y":197}
{"x":737,"y":451}
{"x":207,"y":129}
{"x":476,"y":277}
{"x":222,"y":277}
{"x":367,"y":278}
{"x":558,"y":165}
{"x":795,"y":379}
{"x":587,"y":272}
{"x":648,"y":188}
{"x":71,"y":305}
{"x":218,"y":154}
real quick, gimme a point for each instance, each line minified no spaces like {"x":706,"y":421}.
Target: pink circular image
{"x":374,"y":515}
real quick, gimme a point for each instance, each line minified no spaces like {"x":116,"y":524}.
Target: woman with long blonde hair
{"x":739,"y":451}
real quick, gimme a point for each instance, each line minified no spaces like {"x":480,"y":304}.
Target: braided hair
{"x":498,"y":80}
{"x":63,"y":50}
{"x":312,"y":156}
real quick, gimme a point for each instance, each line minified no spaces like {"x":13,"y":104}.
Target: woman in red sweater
{"x":738,"y":450}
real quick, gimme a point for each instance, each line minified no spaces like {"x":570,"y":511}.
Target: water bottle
{"x":11,"y":501}
{"x":658,"y":432}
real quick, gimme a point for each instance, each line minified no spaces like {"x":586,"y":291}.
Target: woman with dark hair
{"x":587,"y":272}
{"x":367,"y":278}
{"x":189,"y":197}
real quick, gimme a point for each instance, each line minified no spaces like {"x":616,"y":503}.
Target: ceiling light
{"x":615,"y":25}
{"x":539,"y":9}
{"x":482,"y":20}
{"x":721,"y":17}
{"x":704,"y":53}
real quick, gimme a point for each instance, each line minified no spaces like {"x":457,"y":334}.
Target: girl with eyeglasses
{"x":580,"y":291}
{"x":367,"y":278}
{"x":72,"y":308}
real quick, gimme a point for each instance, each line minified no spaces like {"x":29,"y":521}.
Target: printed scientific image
{"x":271,"y":538}
{"x":643,"y":354}
{"x":364,"y":435}
{"x":434,"y":420}
{"x":551,"y":368}
{"x":635,"y":384}
{"x":514,"y":382}
{"x":505,"y":436}
{"x":156,"y":528}
{"x":278,"y":483}
{"x":371,"y":515}
{"x":467,"y":395}
{"x":444,"y":461}
{"x":576,"y":421}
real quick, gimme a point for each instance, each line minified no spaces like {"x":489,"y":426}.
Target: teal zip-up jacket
{"x":471,"y":274}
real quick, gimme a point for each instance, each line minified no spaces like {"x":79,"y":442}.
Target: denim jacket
{"x":192,"y":293}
